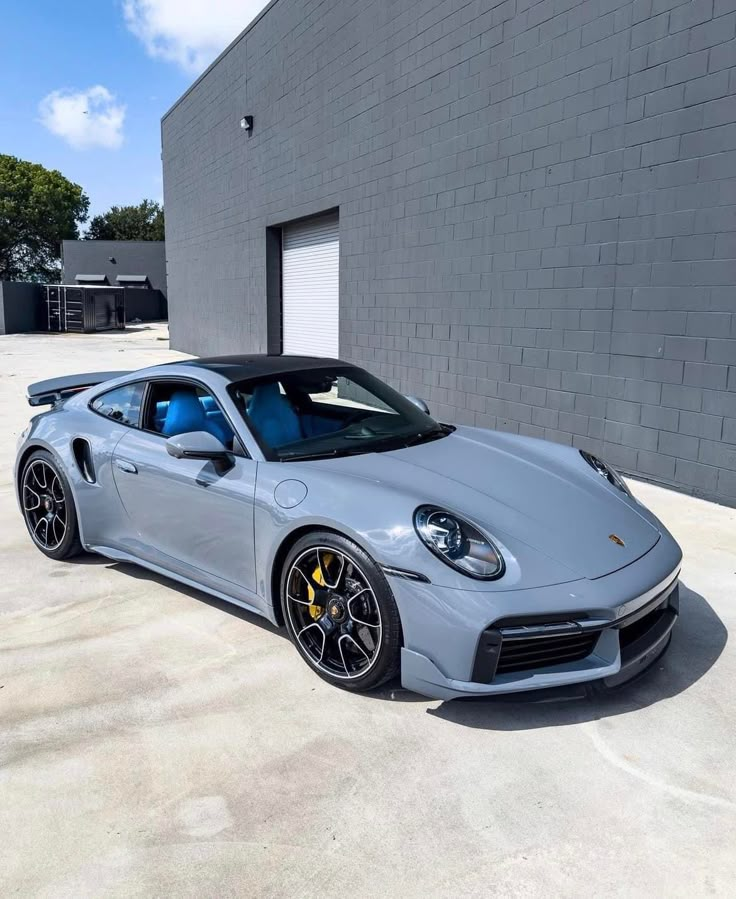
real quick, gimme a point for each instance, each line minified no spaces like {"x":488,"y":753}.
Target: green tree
{"x":38,"y":209}
{"x":142,"y":222}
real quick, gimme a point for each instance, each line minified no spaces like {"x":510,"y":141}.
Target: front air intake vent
{"x":542,"y":652}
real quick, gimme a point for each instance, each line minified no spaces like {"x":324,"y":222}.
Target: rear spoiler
{"x":46,"y":393}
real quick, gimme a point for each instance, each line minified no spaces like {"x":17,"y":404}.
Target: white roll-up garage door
{"x":311,"y":287}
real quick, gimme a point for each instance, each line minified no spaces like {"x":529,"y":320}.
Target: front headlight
{"x":605,"y":471}
{"x":458,"y":543}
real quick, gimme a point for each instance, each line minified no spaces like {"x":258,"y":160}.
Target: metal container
{"x":84,"y":309}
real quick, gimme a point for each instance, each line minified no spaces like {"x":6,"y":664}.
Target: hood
{"x":539,"y":493}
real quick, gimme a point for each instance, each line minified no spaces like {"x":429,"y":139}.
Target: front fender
{"x":380,"y":519}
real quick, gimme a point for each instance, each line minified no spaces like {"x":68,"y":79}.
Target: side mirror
{"x":196,"y":445}
{"x":418,"y":402}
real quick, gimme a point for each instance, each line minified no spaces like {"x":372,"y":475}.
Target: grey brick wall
{"x":537,"y":210}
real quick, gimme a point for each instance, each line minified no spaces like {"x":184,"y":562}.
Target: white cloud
{"x":84,"y":119}
{"x":189,"y":32}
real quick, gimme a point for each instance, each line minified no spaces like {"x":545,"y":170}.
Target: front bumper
{"x":606,"y":630}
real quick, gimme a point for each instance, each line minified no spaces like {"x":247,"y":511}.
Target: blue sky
{"x":83,"y":84}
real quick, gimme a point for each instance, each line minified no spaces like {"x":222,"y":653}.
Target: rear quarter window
{"x":123,"y":404}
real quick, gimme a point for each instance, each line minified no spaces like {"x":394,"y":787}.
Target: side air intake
{"x":83,"y":458}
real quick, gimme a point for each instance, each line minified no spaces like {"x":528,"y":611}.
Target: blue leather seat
{"x":185,"y":413}
{"x":159,"y":416}
{"x":272,"y":415}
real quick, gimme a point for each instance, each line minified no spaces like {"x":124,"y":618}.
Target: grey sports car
{"x":474,"y":562}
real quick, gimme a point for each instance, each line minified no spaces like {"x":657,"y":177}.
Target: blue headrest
{"x":185,"y":414}
{"x":272,"y":415}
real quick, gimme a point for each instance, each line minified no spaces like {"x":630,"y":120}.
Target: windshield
{"x":330,"y":411}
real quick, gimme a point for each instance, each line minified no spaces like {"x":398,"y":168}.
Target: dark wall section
{"x":131,"y":257}
{"x":21,"y":308}
{"x":144,"y":305}
{"x":537,"y":210}
{"x":274,"y":326}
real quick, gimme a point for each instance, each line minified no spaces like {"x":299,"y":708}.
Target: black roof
{"x":240,"y":368}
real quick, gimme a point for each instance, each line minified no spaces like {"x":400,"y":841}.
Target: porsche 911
{"x":467,"y":562}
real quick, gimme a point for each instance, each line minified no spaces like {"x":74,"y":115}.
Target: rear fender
{"x":30,"y":447}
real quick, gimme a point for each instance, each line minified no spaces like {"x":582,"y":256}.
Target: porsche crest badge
{"x":616,"y":539}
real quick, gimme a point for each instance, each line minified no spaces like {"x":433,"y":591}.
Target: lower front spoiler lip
{"x":607,"y":686}
{"x":642,"y":653}
{"x":418,"y":673}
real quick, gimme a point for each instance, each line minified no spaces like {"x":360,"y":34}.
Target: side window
{"x":122,"y":404}
{"x":175,"y":407}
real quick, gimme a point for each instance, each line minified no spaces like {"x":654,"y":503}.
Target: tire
{"x":340,"y":613}
{"x":46,"y":496}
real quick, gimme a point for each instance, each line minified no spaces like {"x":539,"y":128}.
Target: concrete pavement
{"x":155,"y":742}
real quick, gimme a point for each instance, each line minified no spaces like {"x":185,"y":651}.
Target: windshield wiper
{"x":383,"y":445}
{"x":320,"y":454}
{"x":425,"y":436}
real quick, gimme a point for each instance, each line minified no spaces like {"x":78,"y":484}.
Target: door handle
{"x":124,"y":465}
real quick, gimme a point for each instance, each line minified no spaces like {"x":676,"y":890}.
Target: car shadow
{"x":86,"y":558}
{"x":697,"y":641}
{"x":134,"y":328}
{"x":144,"y":574}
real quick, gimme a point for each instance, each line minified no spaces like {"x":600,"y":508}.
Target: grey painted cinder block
{"x":704,"y":374}
{"x":537,"y":210}
{"x":660,"y":417}
{"x":719,"y":454}
{"x":719,"y":402}
{"x":656,"y":465}
{"x":703,"y":478}
{"x":699,"y":424}
{"x":681,"y":446}
{"x":690,"y":349}
{"x":690,"y":14}
{"x":726,"y":485}
{"x":678,"y":397}
{"x":720,"y":350}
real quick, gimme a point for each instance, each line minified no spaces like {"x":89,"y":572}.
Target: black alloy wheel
{"x":340,"y":612}
{"x":48,"y":507}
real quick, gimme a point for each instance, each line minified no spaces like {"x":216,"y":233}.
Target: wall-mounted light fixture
{"x":246,"y":123}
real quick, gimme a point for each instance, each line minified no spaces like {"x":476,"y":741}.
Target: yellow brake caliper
{"x":314,"y":610}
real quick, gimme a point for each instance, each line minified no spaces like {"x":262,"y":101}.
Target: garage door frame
{"x":274,"y":277}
